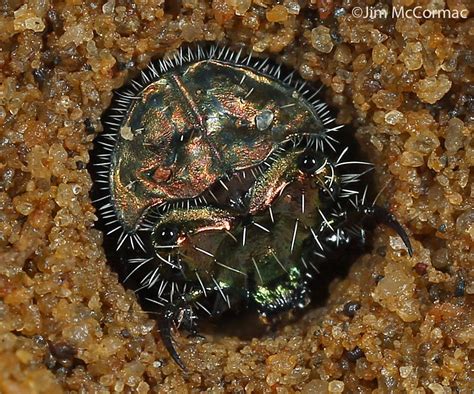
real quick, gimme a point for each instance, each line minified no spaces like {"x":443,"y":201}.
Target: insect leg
{"x":177,"y":312}
{"x":382,"y":215}
{"x":165,"y":321}
{"x":347,"y":231}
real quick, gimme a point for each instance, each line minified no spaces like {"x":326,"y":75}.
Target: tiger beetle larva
{"x":221,"y":186}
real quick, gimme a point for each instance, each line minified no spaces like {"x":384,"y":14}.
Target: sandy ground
{"x":67,"y":324}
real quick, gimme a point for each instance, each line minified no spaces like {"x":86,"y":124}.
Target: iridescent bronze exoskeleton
{"x":225,"y":188}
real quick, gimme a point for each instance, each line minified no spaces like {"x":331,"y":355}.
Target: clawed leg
{"x":347,"y":230}
{"x":381,"y":215}
{"x":179,"y":312}
{"x":165,"y":322}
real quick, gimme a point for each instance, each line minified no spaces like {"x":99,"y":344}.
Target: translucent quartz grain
{"x":321,"y":39}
